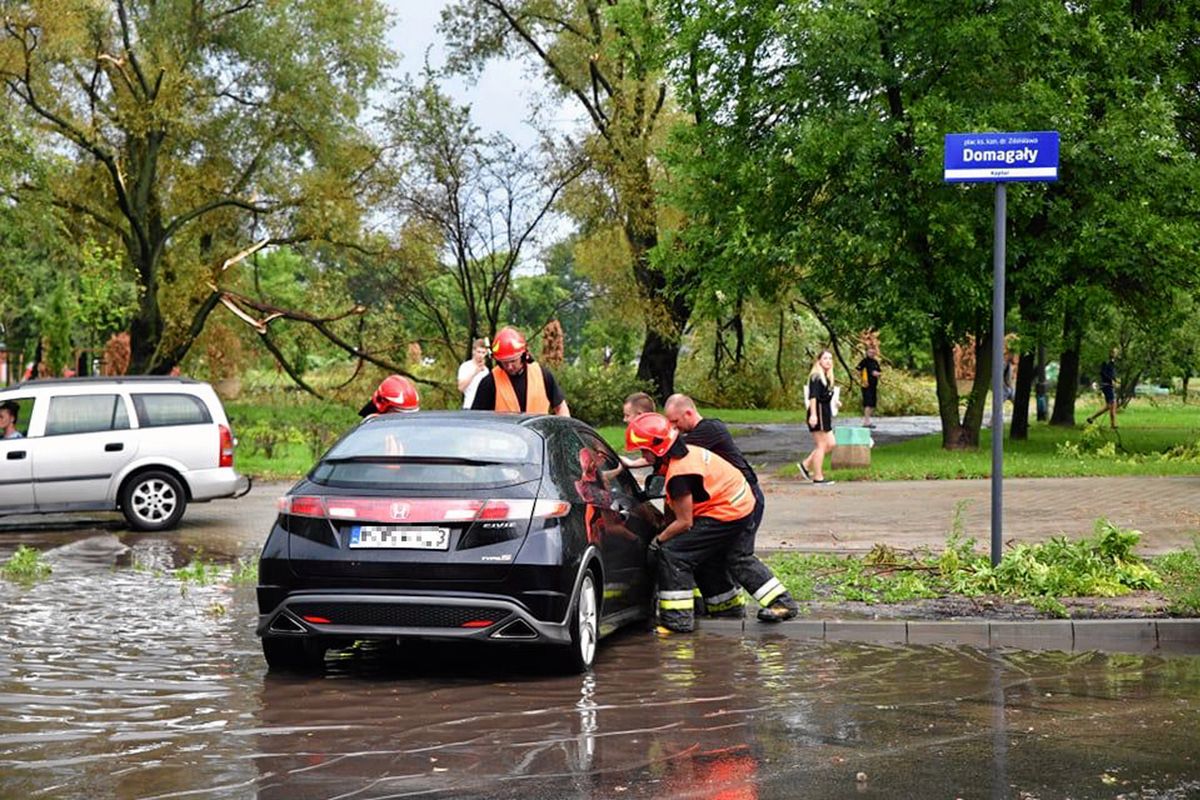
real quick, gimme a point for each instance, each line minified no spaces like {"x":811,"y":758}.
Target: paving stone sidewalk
{"x":852,"y":516}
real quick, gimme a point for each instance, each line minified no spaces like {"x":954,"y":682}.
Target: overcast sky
{"x":500,"y":100}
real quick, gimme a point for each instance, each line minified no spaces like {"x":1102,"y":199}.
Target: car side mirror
{"x":656,"y":486}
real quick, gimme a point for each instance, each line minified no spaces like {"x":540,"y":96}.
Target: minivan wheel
{"x":585,"y":627}
{"x":293,"y":654}
{"x":153,"y":501}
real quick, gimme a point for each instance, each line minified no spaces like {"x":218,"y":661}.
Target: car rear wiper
{"x":448,"y":460}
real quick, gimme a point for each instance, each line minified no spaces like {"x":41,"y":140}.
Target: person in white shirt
{"x":471,"y":372}
{"x":8,"y":420}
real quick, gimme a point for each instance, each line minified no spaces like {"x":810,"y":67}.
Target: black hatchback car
{"x":457,"y":525}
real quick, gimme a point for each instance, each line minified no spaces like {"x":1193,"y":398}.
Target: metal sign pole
{"x":1001,"y":213}
{"x":999,"y":157}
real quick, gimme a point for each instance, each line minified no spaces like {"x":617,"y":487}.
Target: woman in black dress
{"x":820,"y":417}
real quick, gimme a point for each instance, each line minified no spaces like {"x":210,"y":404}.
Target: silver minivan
{"x":144,"y":445}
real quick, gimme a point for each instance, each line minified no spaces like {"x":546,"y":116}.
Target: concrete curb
{"x":1165,"y":636}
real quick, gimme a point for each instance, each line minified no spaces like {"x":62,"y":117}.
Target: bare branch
{"x":126,"y":40}
{"x":265,"y":338}
{"x":593,"y":109}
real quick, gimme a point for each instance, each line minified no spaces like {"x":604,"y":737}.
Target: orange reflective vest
{"x":536,"y":400}
{"x":729,"y":495}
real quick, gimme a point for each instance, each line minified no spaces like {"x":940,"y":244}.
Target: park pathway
{"x":852,"y":516}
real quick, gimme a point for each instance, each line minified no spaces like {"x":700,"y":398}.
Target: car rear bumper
{"x":209,"y":484}
{"x":360,"y":615}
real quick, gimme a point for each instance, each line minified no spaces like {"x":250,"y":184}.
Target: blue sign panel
{"x":998,"y":157}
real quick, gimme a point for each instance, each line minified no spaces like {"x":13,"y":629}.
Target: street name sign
{"x":1001,"y":157}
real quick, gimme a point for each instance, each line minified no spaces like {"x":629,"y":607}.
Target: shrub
{"x":596,"y":394}
{"x":743,"y":386}
{"x":903,"y":394}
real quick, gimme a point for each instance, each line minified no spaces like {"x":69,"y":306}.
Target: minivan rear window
{"x":381,"y":454}
{"x":158,"y":410}
{"x":86,"y":413}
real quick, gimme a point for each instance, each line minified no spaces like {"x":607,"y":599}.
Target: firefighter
{"x":712,"y":517}
{"x":518,"y":384}
{"x":715,"y":594}
{"x":722,"y":597}
{"x":395,"y":394}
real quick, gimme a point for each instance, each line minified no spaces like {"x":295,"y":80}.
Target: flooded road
{"x":120,"y":680}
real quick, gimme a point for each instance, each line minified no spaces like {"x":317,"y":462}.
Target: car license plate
{"x":400,"y":537}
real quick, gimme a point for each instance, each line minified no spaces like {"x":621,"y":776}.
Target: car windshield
{"x":384,"y":454}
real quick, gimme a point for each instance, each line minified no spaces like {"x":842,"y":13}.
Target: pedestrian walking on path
{"x":820,"y":399}
{"x":1108,"y":387}
{"x":868,"y":378}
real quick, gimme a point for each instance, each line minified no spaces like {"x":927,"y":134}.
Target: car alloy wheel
{"x":153,"y":501}
{"x":587,"y":621}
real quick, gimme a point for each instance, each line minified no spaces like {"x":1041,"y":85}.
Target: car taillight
{"x":523,"y":509}
{"x":417,"y":510}
{"x":301,"y":506}
{"x":226,"y":447}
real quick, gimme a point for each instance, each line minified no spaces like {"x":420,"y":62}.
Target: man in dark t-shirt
{"x":712,"y":434}
{"x":1108,"y":387}
{"x":868,"y":377}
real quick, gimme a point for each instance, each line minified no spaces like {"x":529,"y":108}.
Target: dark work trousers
{"x":733,"y":543}
{"x":713,"y":582}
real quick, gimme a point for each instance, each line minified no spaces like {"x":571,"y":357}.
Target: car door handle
{"x":16,"y":455}
{"x":114,"y":447}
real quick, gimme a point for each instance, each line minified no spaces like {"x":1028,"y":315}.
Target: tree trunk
{"x":961,"y":433}
{"x":659,"y":359}
{"x":977,"y":400}
{"x":660,"y":351}
{"x":1068,"y":371}
{"x":739,"y":330}
{"x":146,"y":328}
{"x":1041,"y":383}
{"x":947,"y":392}
{"x":779,"y":358}
{"x":1026,"y":371}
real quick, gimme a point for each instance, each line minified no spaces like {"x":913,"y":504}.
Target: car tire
{"x":585,"y":627}
{"x":153,"y":501}
{"x":294,"y":654}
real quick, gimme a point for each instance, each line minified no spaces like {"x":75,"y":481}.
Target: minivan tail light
{"x":419,"y":510}
{"x":226,"y":446}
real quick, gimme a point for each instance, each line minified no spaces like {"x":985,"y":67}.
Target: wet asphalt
{"x":118,"y":679}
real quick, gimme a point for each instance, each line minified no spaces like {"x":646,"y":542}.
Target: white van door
{"x":16,"y":476}
{"x":16,"y":464}
{"x":86,"y":442}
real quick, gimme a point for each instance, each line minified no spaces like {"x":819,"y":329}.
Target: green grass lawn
{"x":282,"y":439}
{"x":1154,"y":438}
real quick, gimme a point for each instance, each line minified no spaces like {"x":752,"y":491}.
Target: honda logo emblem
{"x":400,"y":510}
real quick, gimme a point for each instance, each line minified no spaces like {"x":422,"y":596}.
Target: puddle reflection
{"x":119,"y":681}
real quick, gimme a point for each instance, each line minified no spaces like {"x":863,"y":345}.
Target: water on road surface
{"x":118,"y":680}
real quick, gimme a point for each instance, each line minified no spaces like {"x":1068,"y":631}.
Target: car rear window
{"x":158,"y":410}
{"x":86,"y":413}
{"x":431,"y":454}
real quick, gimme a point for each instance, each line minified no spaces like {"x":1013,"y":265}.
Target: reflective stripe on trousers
{"x":725,"y":601}
{"x":769,"y":592}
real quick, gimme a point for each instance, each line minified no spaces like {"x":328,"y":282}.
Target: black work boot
{"x":736,"y":612}
{"x":781,"y":609}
